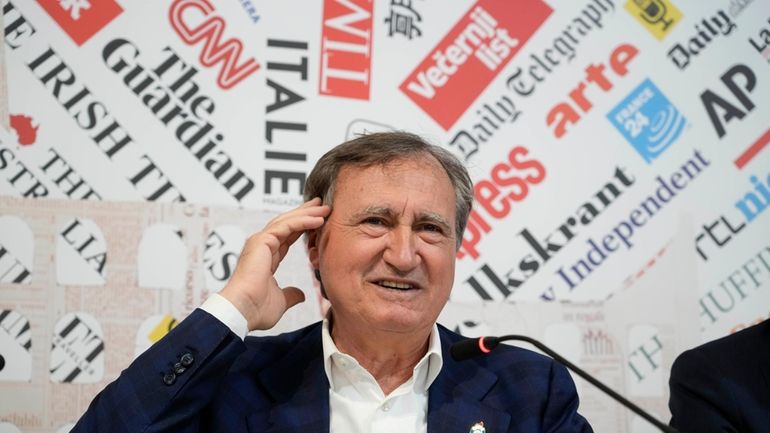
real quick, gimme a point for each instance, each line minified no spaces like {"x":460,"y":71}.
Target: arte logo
{"x":25,"y":131}
{"x":477,"y":48}
{"x":346,"y":48}
{"x":659,"y":17}
{"x":195,"y":21}
{"x":81,"y":19}
{"x":648,"y":120}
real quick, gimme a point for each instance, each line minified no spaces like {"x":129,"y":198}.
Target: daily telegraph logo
{"x":477,"y":48}
{"x":648,"y":120}
{"x":659,"y":17}
{"x":81,"y":19}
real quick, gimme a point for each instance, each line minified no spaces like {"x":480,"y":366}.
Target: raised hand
{"x":253,"y":288}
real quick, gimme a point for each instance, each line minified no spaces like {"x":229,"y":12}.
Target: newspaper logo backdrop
{"x":648,"y":120}
{"x":659,"y":17}
{"x":81,"y":19}
{"x":466,"y":60}
{"x":15,"y":343}
{"x":77,"y":350}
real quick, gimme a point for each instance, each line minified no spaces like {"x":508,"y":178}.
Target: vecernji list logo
{"x":648,"y":120}
{"x":81,"y":19}
{"x":659,"y":17}
{"x":466,"y":60}
{"x":195,"y":21}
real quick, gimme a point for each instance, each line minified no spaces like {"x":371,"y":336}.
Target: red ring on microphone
{"x":483,"y":348}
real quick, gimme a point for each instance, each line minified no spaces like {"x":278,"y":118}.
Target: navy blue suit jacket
{"x":724,"y":385}
{"x":278,"y":384}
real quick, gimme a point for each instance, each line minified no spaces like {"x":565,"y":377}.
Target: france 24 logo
{"x":648,"y":120}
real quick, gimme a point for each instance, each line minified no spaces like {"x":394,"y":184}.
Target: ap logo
{"x":648,"y":120}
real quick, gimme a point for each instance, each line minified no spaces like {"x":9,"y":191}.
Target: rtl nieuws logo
{"x":477,"y":48}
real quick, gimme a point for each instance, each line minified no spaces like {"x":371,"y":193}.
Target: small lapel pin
{"x":478,"y":428}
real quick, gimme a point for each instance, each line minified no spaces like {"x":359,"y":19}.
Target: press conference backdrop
{"x":618,"y":149}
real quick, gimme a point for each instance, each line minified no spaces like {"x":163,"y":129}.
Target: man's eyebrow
{"x":423,"y":217}
{"x":435,"y":219}
{"x":374,"y":210}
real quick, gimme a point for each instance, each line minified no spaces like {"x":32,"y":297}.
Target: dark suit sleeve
{"x":168,"y":387}
{"x":698,"y":402}
{"x":561,"y":414}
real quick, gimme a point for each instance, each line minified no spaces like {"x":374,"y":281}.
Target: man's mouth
{"x":395,"y":285}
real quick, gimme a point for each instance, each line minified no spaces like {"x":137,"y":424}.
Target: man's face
{"x":387,"y":251}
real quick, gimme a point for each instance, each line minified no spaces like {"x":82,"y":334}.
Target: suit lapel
{"x":301,"y":399}
{"x":455,"y":400}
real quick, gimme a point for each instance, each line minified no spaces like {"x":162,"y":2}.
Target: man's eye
{"x":432,"y":228}
{"x":374,"y":221}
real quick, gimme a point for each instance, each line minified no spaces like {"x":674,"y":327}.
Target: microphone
{"x":653,"y":11}
{"x":470,"y":348}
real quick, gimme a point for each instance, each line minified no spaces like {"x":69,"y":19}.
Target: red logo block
{"x":477,"y":48}
{"x":346,"y":48}
{"x":81,"y":19}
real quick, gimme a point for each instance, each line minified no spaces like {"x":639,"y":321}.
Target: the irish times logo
{"x":659,"y":17}
{"x":648,"y":120}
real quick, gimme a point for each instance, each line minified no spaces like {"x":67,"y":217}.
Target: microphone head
{"x":472,"y":347}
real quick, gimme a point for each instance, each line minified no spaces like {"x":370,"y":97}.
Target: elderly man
{"x":383,"y":221}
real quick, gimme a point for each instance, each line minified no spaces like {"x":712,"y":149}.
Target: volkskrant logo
{"x":477,"y":48}
{"x":81,"y":19}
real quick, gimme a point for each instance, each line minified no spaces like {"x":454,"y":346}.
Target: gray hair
{"x":384,"y":147}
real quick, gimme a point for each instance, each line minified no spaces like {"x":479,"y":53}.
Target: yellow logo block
{"x":161,"y":329}
{"x":659,"y":17}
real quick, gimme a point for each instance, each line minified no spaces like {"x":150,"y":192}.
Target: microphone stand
{"x":489,"y":343}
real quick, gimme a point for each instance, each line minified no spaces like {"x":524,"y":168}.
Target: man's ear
{"x":312,"y":247}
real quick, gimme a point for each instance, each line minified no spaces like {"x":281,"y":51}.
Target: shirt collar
{"x":424,"y":373}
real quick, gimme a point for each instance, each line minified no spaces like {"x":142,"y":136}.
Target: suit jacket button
{"x":169,"y":378}
{"x":187,"y":359}
{"x":179,"y":368}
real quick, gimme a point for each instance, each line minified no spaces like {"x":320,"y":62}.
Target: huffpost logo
{"x":659,"y":17}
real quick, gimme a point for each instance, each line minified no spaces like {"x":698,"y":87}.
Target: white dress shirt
{"x":356,"y":401}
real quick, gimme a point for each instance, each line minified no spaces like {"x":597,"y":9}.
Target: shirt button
{"x":187,"y":359}
{"x":386,"y":407}
{"x":169,"y":378}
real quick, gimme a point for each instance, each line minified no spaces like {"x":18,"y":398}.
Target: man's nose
{"x":401,"y":251}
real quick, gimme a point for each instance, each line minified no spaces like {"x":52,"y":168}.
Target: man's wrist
{"x":224,"y":311}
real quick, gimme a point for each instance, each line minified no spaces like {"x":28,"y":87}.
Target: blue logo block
{"x":648,"y":120}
